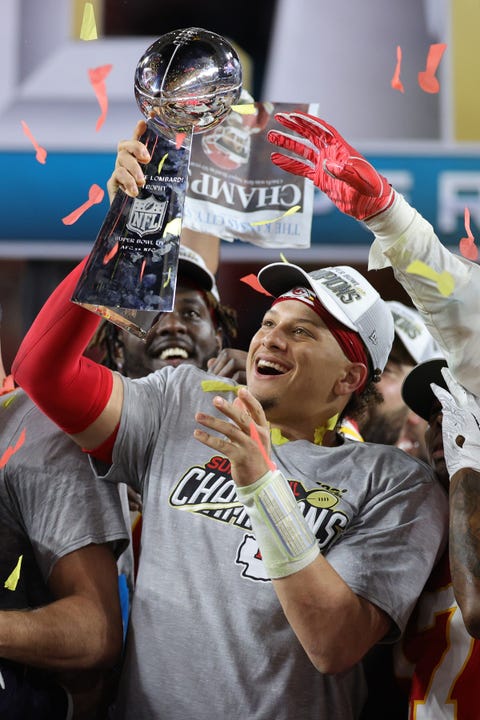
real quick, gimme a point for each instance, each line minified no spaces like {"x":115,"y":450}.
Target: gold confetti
{"x":160,"y":164}
{"x":168,"y":277}
{"x":12,"y":581}
{"x":88,"y":30}
{"x":443,"y":280}
{"x":219,"y":386}
{"x":8,"y":401}
{"x":247,"y":109}
{"x":290,"y":211}
{"x":277,"y":437}
{"x":174,"y":227}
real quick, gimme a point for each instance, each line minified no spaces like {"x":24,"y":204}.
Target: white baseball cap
{"x":347,"y":295}
{"x":413,"y":333}
{"x":191,"y":264}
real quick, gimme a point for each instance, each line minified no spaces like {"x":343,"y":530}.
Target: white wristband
{"x":285,"y":540}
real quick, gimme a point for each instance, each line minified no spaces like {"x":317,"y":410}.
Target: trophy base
{"x":136,"y":322}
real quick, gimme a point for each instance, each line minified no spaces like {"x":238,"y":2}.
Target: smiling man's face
{"x":186,"y":335}
{"x":293,"y":364}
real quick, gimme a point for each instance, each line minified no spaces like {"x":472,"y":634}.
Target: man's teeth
{"x":174,"y":352}
{"x":273,"y":365}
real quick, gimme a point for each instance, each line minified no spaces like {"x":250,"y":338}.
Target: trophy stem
{"x":131,"y":273}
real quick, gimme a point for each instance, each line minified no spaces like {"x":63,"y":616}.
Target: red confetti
{"x":111,"y":253}
{"x":253,"y":282}
{"x":426,"y":79}
{"x":396,"y":83}
{"x":41,"y":155}
{"x":467,"y":244}
{"x":142,"y":269}
{"x":95,"y":195}
{"x":12,"y":450}
{"x":179,"y":140}
{"x":8,"y":385}
{"x":97,"y":78}
{"x":255,"y":436}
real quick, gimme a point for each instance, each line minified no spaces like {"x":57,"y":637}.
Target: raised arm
{"x":450,"y":308}
{"x":82,"y":397}
{"x":444,"y":291}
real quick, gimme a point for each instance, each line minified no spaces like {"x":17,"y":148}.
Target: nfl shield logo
{"x":146,"y":215}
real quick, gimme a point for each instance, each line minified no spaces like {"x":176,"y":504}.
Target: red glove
{"x":348,"y":179}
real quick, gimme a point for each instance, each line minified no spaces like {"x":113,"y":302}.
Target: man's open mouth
{"x":174,"y":353}
{"x":268,"y":367}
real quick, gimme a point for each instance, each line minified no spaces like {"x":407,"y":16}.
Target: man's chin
{"x":267,"y":403}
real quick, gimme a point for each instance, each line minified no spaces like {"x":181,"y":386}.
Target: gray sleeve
{"x":389,"y":550}
{"x":143,"y":408}
{"x":61,"y":505}
{"x":403,"y":235}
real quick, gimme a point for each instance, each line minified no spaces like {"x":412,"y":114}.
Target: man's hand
{"x":246,"y":447}
{"x":128,"y":174}
{"x":335,"y":167}
{"x":230,"y":363}
{"x":460,"y":425}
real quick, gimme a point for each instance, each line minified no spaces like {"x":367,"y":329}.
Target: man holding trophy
{"x":275,"y":553}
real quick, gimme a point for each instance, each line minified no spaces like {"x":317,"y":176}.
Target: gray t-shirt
{"x":50,"y":503}
{"x":208,"y":639}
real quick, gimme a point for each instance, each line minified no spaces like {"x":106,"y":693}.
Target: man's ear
{"x":353,"y":377}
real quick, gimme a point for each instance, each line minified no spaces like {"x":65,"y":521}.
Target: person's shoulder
{"x":15,"y":403}
{"x":392,"y":454}
{"x":167,"y":374}
{"x":189,"y":376}
{"x":18,"y":411}
{"x":24,"y":427}
{"x":393,"y":459}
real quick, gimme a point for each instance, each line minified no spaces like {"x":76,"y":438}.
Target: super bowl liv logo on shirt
{"x":210,"y":491}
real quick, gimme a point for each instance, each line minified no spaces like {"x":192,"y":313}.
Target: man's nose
{"x":274,"y":337}
{"x":167,"y":323}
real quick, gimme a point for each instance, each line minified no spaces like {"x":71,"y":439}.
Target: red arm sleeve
{"x":71,"y":389}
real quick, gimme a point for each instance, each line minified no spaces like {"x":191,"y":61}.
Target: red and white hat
{"x":347,"y":295}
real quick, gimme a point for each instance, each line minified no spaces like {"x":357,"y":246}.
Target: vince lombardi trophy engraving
{"x":185,"y":83}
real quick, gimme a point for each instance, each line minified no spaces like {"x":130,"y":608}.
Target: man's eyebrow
{"x":315,"y":321}
{"x":191,"y":298}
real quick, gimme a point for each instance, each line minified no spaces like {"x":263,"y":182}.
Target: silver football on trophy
{"x":188,"y":77}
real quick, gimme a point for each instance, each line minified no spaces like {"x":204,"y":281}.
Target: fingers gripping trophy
{"x":186,"y":82}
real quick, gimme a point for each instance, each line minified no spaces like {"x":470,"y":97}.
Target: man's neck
{"x":320,"y":435}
